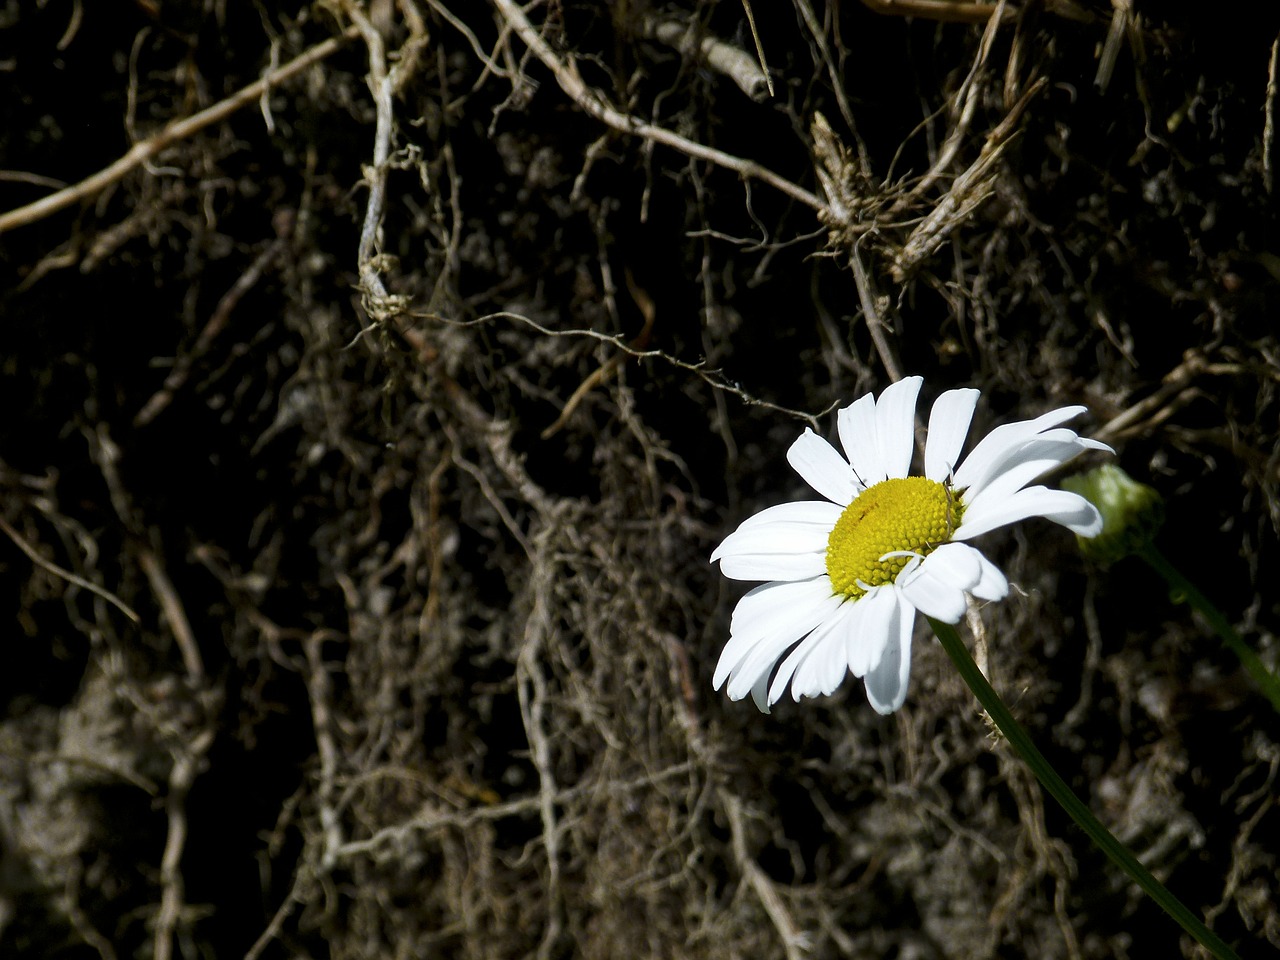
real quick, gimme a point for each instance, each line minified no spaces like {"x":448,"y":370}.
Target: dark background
{"x":420,"y":668}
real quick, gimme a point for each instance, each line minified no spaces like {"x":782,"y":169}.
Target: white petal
{"x":1034,"y":457}
{"x":937,"y":586}
{"x":869,"y":630}
{"x":955,"y":563}
{"x":887,"y":682}
{"x":830,"y":632}
{"x":856,"y":425}
{"x":948,"y":427}
{"x":1067,"y":435}
{"x":774,"y":566}
{"x":786,"y":542}
{"x":755,"y":669}
{"x":760,"y":692}
{"x":823,"y":672}
{"x":1054,"y":417}
{"x":766,"y":611}
{"x":936,"y":599}
{"x":822,"y":467}
{"x":787,"y":669}
{"x":1015,"y":474}
{"x":764,"y":650}
{"x":985,"y":459}
{"x":896,"y":425}
{"x":820,"y":670}
{"x":993,"y":585}
{"x":1091,"y":444}
{"x":1024,"y":464}
{"x":781,"y":536}
{"x":798,"y":511}
{"x":1073,"y":512}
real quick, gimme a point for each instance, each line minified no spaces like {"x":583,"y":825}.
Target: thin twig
{"x":833,"y":75}
{"x":320,"y":693}
{"x":970,"y":190}
{"x":382,"y":85}
{"x":712,"y":377}
{"x":1269,"y":120}
{"x":276,"y":923}
{"x":1148,"y":409}
{"x":870,"y":298}
{"x":1121,"y":14}
{"x":491,"y":65}
{"x":67,"y":575}
{"x":376,"y":173}
{"x":719,"y":55}
{"x":77,"y":917}
{"x":571,"y":82}
{"x":648,"y":311}
{"x":531,"y":687}
{"x":755,"y":35}
{"x":217,"y":323}
{"x":144,"y":150}
{"x":945,"y":11}
{"x":794,"y":941}
{"x":967,"y":96}
{"x":174,"y":614}
{"x":185,"y":767}
{"x":430,"y":820}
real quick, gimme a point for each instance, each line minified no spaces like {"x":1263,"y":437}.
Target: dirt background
{"x":364,"y":442}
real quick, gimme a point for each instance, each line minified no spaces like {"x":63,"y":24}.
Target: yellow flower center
{"x":914,"y":514}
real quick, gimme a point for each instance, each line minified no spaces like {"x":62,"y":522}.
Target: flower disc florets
{"x":901,"y":516}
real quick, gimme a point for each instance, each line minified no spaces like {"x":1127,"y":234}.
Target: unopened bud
{"x":1132,"y":512}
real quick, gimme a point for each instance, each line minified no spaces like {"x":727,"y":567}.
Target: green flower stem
{"x":1263,"y":677}
{"x":1059,"y":790}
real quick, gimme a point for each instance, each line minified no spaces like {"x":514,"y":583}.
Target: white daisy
{"x":848,"y":573}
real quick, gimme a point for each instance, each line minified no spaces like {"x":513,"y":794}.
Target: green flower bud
{"x":1132,"y":512}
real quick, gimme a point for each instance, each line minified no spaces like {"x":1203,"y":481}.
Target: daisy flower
{"x":848,"y":573}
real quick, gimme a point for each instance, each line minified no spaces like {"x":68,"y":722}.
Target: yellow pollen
{"x":908,"y":513}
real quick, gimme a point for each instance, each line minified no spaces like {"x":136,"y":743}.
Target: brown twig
{"x":969,"y":191}
{"x":1269,"y":120}
{"x":590,"y":100}
{"x":430,"y":818}
{"x":144,"y":150}
{"x":319,"y":692}
{"x":107,"y":455}
{"x":719,"y":55}
{"x":57,"y":571}
{"x":185,"y":767}
{"x":217,"y":323}
{"x":1121,"y":18}
{"x":647,"y":310}
{"x":711,"y":377}
{"x":967,"y":96}
{"x":819,"y":37}
{"x":531,"y":687}
{"x":872,"y":301}
{"x":793,"y":941}
{"x":1151,"y":410}
{"x":946,"y":11}
{"x":378,"y":303}
{"x":174,"y":614}
{"x":755,"y":35}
